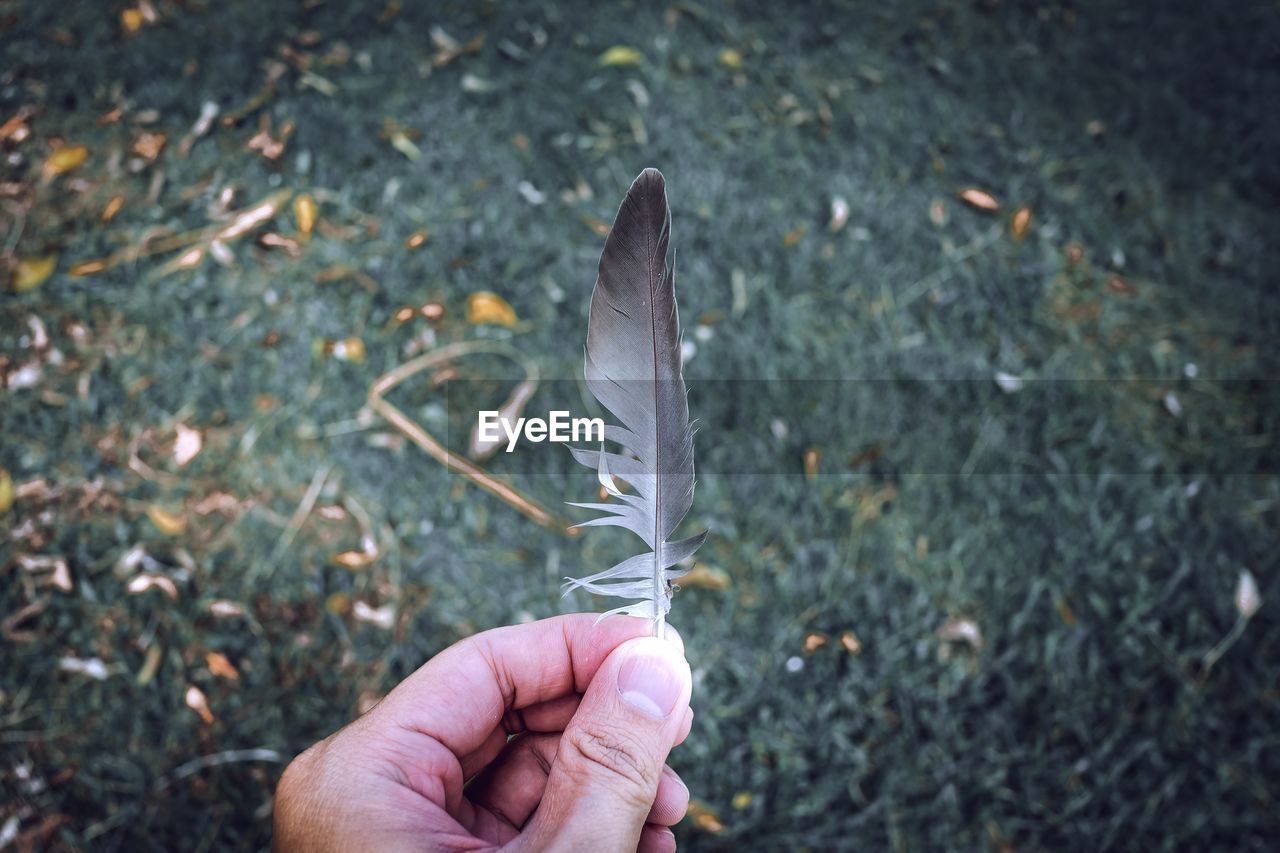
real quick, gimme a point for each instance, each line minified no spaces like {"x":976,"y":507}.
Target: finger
{"x":656,"y":839}
{"x":672,"y":801}
{"x":459,"y":696}
{"x":605,"y":776}
{"x":550,"y":716}
{"x":685,"y":726}
{"x":511,"y":788}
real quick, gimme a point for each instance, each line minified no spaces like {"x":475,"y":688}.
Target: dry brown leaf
{"x":416,"y":240}
{"x":704,"y":817}
{"x":486,"y":307}
{"x":850,"y":642}
{"x":148,"y":145}
{"x":706,"y":577}
{"x":1020,"y":223}
{"x":353,"y":561}
{"x":980,"y":199}
{"x":198,"y":702}
{"x":112,"y":208}
{"x":813,"y":642}
{"x":89,"y":267}
{"x":812,"y":459}
{"x":220,"y":666}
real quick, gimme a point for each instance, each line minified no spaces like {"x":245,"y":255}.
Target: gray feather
{"x":633,"y":367}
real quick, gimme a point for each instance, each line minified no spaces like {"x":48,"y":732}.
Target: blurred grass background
{"x":921,"y":622}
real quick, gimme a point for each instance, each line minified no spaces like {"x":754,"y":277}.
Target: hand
{"x":546,"y":736}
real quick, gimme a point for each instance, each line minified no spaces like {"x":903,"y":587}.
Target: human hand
{"x":546,"y":736}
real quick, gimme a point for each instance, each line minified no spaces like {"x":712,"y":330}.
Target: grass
{"x":1092,"y":536}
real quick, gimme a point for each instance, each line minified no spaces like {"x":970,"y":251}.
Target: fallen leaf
{"x":960,"y":630}
{"x":88,"y":267}
{"x":704,"y":817}
{"x":149,"y":145}
{"x":141,"y":583}
{"x":30,"y":273}
{"x":416,"y":240}
{"x":730,"y":58}
{"x":621,"y":55}
{"x":706,"y":577}
{"x":338,"y":603}
{"x":6,"y":491}
{"x":839,"y":214}
{"x":812,"y":458}
{"x":305,"y":211}
{"x":224,"y":609}
{"x":486,"y":307}
{"x":187,"y":445}
{"x":1119,"y":286}
{"x":353,"y":561}
{"x":131,"y":20}
{"x":220,"y":666}
{"x":94,"y":668}
{"x":1248,"y":600}
{"x":65,"y":159}
{"x":197,"y":702}
{"x":741,"y":800}
{"x":168,"y":523}
{"x":979,"y":199}
{"x":382,"y":617}
{"x":938,"y":212}
{"x":150,"y":665}
{"x":850,"y":642}
{"x":794,"y":236}
{"x":813,"y":642}
{"x":1020,"y":223}
{"x":113,"y":207}
{"x":349,"y":349}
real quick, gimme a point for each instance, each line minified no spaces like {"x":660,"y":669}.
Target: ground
{"x":982,"y":297}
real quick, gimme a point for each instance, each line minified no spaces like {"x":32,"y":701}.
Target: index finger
{"x":459,"y":697}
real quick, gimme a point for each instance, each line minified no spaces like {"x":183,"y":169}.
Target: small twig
{"x":217,"y":759}
{"x":437,"y":451}
{"x":296,"y":521}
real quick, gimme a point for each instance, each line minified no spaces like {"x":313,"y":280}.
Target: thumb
{"x":604,"y":777}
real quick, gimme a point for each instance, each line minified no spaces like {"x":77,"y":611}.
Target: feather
{"x":633,"y":368}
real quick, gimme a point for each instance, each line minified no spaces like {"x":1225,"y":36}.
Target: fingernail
{"x":650,"y":683}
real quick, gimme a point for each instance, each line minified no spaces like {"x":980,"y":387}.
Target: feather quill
{"x":633,"y":367}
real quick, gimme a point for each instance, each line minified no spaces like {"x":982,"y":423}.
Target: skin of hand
{"x":551,"y":735}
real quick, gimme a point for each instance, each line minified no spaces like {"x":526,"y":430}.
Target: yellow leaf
{"x":304,"y":213}
{"x":741,"y":800}
{"x":338,"y":603}
{"x":731,"y":58}
{"x":168,"y":523}
{"x":65,"y":159}
{"x":31,"y":272}
{"x":6,"y":491}
{"x":131,"y":20}
{"x":485,"y":307}
{"x":353,"y":561}
{"x":704,"y":817}
{"x":621,"y":55}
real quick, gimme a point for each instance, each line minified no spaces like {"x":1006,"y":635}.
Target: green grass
{"x":1093,"y":537}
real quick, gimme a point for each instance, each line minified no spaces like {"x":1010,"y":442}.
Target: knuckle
{"x":616,"y":755}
